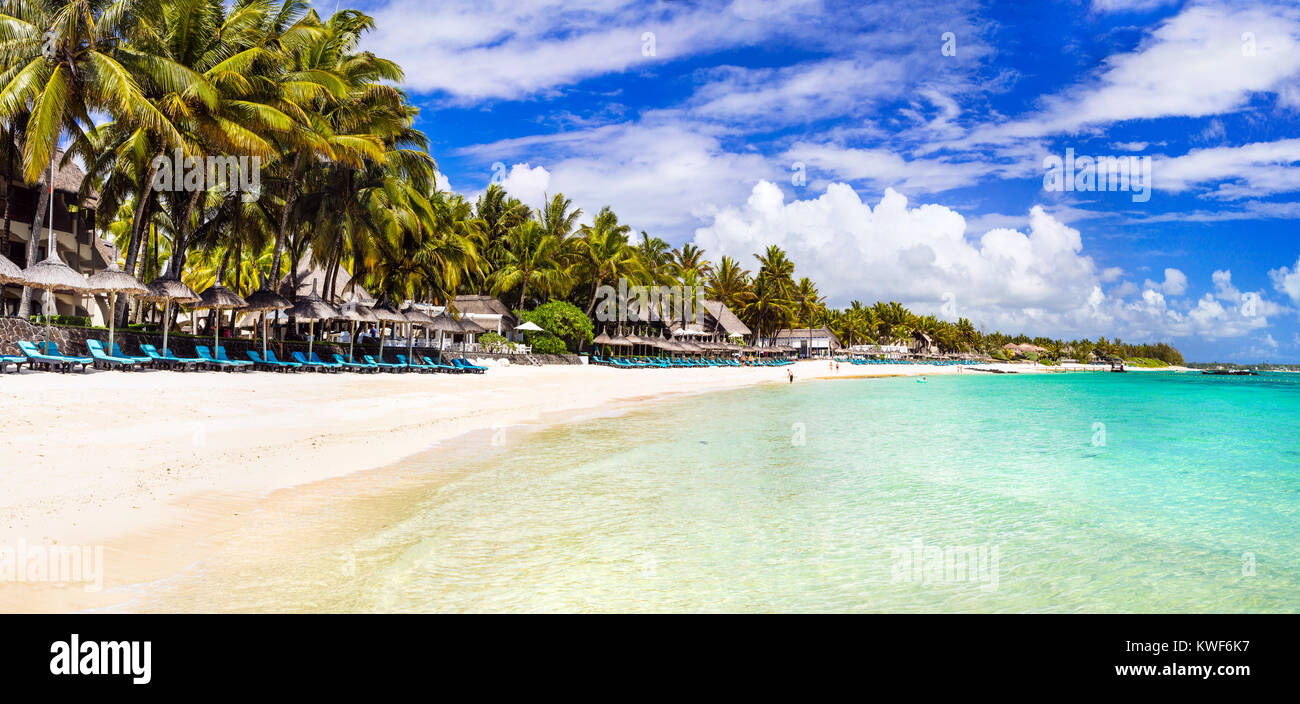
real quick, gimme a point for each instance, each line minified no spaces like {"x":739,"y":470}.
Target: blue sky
{"x":922,"y":132}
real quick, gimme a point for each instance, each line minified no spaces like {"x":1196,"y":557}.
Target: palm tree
{"x":808,"y":301}
{"x":729,"y":284}
{"x":603,"y":253}
{"x":533,"y":257}
{"x":61,"y":61}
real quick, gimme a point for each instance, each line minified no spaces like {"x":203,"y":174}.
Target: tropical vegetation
{"x":347,"y":182}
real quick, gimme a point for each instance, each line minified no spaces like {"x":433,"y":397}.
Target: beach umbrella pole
{"x":352,"y":342}
{"x":311,"y":335}
{"x":167,"y":323}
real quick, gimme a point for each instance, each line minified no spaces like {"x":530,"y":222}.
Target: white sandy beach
{"x":156,"y":463}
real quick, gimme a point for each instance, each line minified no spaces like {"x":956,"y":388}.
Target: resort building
{"x":487,"y":311}
{"x":881,"y":351}
{"x":809,"y":342}
{"x":74,"y":232}
{"x":717,"y":317}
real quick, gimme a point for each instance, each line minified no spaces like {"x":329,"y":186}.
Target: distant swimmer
{"x":921,"y":380}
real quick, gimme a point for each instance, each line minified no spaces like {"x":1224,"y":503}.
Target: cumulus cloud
{"x":1038,"y":279}
{"x":1175,"y":283}
{"x":527,"y":183}
{"x":658,"y":176}
{"x":1256,"y":169}
{"x":1192,"y":65}
{"x":1287,"y":281}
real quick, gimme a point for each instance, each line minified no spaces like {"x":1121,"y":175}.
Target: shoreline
{"x":158,"y":507}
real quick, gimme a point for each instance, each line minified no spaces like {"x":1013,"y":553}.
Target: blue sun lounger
{"x":464,"y":364}
{"x":6,"y":360}
{"x":103,"y":360}
{"x":117,"y":352}
{"x":385,"y":366}
{"x":169,"y":359}
{"x":300,"y":358}
{"x":332,"y":366}
{"x":213,"y":363}
{"x":358,"y":366}
{"x":51,"y":359}
{"x":443,"y":368}
{"x":268,"y":365}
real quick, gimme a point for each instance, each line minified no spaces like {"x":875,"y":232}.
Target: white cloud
{"x":527,"y":183}
{"x":1192,"y":65}
{"x":795,"y":94}
{"x":511,"y":49}
{"x":1129,"y":5}
{"x":1175,"y":283}
{"x":660,"y":174}
{"x":1287,"y":281}
{"x":1255,"y":169}
{"x":1038,"y":280}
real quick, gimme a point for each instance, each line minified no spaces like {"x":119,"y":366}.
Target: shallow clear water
{"x":1082,"y":492}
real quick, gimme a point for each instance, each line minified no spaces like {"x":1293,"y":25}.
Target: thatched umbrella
{"x":9,"y":272}
{"x":311,"y":308}
{"x":263,"y":301}
{"x":168,"y":290}
{"x":634,"y":340}
{"x":386,"y":314}
{"x":355,"y":313}
{"x":51,"y":274}
{"x":114,"y":281}
{"x":415,"y":317}
{"x":443,"y":323}
{"x":469,"y":327}
{"x":216,"y":299}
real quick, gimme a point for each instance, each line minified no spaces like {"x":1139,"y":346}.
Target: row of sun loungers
{"x":930,"y":362}
{"x":48,"y":357}
{"x":681,"y":363}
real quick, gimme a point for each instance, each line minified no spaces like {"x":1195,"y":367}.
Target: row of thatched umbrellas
{"x":662,"y":342}
{"x":52,"y":274}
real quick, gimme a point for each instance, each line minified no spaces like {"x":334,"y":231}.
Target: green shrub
{"x":544,"y":343}
{"x":562,"y":321}
{"x":77,"y":321}
{"x":492,"y":342}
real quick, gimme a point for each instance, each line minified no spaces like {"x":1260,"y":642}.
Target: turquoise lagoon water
{"x":1073,"y":493}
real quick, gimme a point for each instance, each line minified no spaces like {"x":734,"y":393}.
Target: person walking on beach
{"x":791,"y":373}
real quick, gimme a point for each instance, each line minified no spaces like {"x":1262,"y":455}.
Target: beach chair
{"x":300,"y":358}
{"x":223,"y":357}
{"x":357,"y":366}
{"x":332,"y":366}
{"x":384,"y":366}
{"x":213,"y":363}
{"x":443,"y":368}
{"x":103,"y":360}
{"x":270,"y":357}
{"x":167,"y":361}
{"x":117,"y":352}
{"x":7,"y":359}
{"x":51,"y":359}
{"x":415,"y":365}
{"x":464,"y":364}
{"x":267,"y":365}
